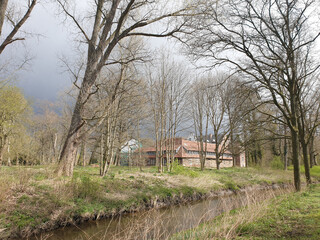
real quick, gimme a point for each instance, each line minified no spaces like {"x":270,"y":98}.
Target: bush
{"x":276,"y":163}
{"x":231,"y":185}
{"x":85,"y":188}
{"x":181,"y":170}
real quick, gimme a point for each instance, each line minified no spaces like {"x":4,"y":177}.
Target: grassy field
{"x":314,"y":171}
{"x":33,"y":197}
{"x":294,"y":216}
{"x":289,"y":216}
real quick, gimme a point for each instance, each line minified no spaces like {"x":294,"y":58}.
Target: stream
{"x":159,"y":223}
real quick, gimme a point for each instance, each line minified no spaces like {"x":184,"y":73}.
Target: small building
{"x":241,"y":160}
{"x":188,"y":154}
{"x":127,"y":150}
{"x":149,"y":154}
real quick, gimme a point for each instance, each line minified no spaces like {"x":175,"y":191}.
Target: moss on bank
{"x":33,"y":198}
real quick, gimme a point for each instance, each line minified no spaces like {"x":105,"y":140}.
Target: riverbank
{"x":33,"y":199}
{"x":289,"y":216}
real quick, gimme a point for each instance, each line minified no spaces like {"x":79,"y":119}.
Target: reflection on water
{"x":156,"y":223}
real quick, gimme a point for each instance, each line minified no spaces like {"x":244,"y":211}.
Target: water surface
{"x":156,"y":223}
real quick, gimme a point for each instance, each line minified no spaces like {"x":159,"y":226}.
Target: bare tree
{"x":167,"y":91}
{"x":270,"y":43}
{"x":209,"y":97}
{"x":158,"y":85}
{"x":200,"y":113}
{"x":9,"y":14}
{"x":46,"y":130}
{"x":218,"y":117}
{"x":112,"y":21}
{"x":308,"y":121}
{"x":119,"y":100}
{"x":13,"y":16}
{"x":237,"y":103}
{"x":112,"y":96}
{"x":177,"y":92}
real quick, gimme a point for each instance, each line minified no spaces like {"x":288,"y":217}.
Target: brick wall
{"x":193,"y":162}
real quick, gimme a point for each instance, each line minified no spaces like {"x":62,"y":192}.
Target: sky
{"x":45,"y":77}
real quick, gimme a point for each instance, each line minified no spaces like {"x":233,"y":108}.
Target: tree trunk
{"x":1,"y":154}
{"x":311,"y":152}
{"x":158,"y":158}
{"x":217,"y":155}
{"x":9,"y":159}
{"x":245,"y":146}
{"x":101,"y":154}
{"x":82,"y":158}
{"x":246,"y":158}
{"x":73,"y":139}
{"x":306,"y":162}
{"x":3,"y":9}
{"x":94,"y":151}
{"x":3,"y":148}
{"x":54,"y":148}
{"x":285,"y":155}
{"x":202,"y":159}
{"x":295,"y":159}
{"x":232,"y":147}
{"x":218,"y":163}
{"x":294,"y":128}
{"x":304,"y":145}
{"x":77,"y":158}
{"x":67,"y":157}
{"x":285,"y":149}
{"x":118,"y":157}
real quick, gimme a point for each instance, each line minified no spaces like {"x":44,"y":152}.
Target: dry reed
{"x":164,"y":224}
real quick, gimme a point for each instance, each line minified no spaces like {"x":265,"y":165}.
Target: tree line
{"x":257,"y":93}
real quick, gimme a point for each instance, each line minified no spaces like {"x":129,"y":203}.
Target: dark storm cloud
{"x":44,"y":78}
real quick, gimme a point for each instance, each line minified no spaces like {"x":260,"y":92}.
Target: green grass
{"x":314,"y":171}
{"x":290,"y":216}
{"x":31,"y":196}
{"x":296,"y":216}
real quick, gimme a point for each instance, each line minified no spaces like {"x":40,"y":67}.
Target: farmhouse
{"x":188,"y":154}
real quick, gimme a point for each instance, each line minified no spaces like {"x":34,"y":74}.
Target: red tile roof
{"x":147,"y":149}
{"x":183,"y":146}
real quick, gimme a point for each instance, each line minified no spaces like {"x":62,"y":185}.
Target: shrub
{"x":231,"y":185}
{"x":85,"y":188}
{"x":181,"y":170}
{"x":276,"y":163}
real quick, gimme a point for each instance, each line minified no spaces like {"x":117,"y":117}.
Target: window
{"x":151,"y":162}
{"x":193,"y":152}
{"x":211,"y":153}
